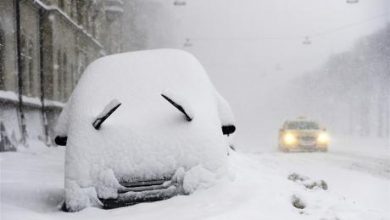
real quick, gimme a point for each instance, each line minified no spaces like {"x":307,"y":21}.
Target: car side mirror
{"x":228,"y":129}
{"x":61,"y":140}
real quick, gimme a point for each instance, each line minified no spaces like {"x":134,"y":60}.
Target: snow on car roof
{"x":138,"y":79}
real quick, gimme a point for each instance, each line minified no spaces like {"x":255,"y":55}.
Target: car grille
{"x":142,"y":191}
{"x":307,"y":138}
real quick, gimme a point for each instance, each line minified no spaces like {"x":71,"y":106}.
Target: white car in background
{"x":303,"y":135}
{"x":142,"y":126}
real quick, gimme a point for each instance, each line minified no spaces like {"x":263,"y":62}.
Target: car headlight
{"x":289,"y":139}
{"x":323,"y":138}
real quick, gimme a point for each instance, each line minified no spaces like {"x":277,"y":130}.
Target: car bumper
{"x":304,"y":148}
{"x":146,"y":191}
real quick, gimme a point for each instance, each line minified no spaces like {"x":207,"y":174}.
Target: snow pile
{"x":197,"y":178}
{"x":146,"y":137}
{"x":79,"y":198}
{"x":10,"y":96}
{"x":225,"y":112}
{"x":265,"y":186}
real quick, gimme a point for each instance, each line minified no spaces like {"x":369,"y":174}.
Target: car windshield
{"x":302,"y":125}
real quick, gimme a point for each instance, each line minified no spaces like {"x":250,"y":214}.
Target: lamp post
{"x":352,"y":1}
{"x":22,"y":121}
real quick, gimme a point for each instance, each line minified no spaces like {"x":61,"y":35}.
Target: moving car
{"x":140,"y":127}
{"x":303,"y":135}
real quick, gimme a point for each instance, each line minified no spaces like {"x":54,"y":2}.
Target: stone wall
{"x":8,"y":77}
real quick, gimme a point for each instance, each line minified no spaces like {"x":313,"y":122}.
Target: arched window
{"x":27,"y":67}
{"x":2,"y":68}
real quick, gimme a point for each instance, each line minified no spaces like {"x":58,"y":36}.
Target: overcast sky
{"x":266,"y":34}
{"x":250,"y":47}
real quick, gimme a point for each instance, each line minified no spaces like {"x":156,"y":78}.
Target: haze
{"x":252,"y":49}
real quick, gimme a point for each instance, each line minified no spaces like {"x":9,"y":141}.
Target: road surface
{"x":261,"y":185}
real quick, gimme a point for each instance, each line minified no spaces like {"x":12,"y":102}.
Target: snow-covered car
{"x":303,"y":135}
{"x":142,"y":126}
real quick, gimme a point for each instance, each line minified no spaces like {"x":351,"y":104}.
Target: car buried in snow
{"x":140,"y":127}
{"x":303,"y":135}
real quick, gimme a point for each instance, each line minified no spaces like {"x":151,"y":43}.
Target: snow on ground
{"x":356,"y":176}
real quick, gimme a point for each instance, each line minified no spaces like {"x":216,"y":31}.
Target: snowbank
{"x":32,"y":188}
{"x":146,"y":137}
{"x":9,"y":96}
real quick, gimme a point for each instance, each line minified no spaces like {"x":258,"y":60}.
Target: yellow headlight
{"x":289,"y":139}
{"x":323,"y":138}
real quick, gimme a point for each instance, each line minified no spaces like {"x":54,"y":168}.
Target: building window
{"x":59,"y":75}
{"x":72,"y":8}
{"x":30,"y":69}
{"x":80,"y":12}
{"x":61,"y":4}
{"x":64,"y":77}
{"x":87,"y":16}
{"x":72,"y":80}
{"x":2,"y":68}
{"x":27,"y":65}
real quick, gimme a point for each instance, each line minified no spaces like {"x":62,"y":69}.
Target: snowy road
{"x":357,"y":177}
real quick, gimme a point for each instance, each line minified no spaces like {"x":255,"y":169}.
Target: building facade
{"x":45,"y":45}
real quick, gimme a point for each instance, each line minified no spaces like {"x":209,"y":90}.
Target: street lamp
{"x":278,"y":67}
{"x":179,"y":3}
{"x":306,"y":41}
{"x":187,"y":43}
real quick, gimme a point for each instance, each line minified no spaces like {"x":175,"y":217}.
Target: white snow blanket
{"x":356,"y":173}
{"x":146,"y":137}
